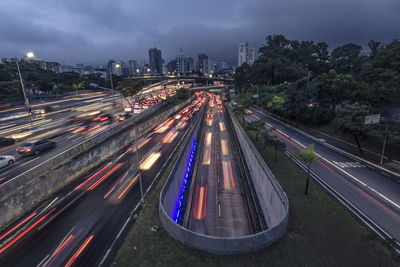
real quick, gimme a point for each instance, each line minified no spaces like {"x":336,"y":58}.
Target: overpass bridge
{"x":147,"y":80}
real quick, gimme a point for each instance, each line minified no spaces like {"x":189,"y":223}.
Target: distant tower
{"x":246,"y":54}
{"x":155,"y":60}
{"x":181,"y":62}
{"x":202,"y":63}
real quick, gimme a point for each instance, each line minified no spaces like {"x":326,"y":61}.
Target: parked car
{"x":6,"y":161}
{"x":124,"y":116}
{"x":6,"y":141}
{"x":35,"y":147}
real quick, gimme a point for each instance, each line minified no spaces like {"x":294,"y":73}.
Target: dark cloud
{"x":93,"y":31}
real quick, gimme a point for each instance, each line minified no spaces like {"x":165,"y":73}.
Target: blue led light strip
{"x":179,"y":205}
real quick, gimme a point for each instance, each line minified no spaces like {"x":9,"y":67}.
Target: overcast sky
{"x":93,"y":31}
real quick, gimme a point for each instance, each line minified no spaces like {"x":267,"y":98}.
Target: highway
{"x":65,"y":135}
{"x":78,"y":226}
{"x":53,"y":126}
{"x":373,"y":192}
{"x":219,"y":208}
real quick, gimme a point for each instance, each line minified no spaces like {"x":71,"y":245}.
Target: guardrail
{"x":273,"y":202}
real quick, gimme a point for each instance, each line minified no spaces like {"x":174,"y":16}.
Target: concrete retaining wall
{"x":273,"y":201}
{"x":31,"y":188}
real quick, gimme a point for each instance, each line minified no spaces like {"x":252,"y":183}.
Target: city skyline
{"x":72,"y":32}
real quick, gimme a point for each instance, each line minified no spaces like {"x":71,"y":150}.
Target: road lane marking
{"x":351,"y":176}
{"x":28,"y":161}
{"x":41,"y":263}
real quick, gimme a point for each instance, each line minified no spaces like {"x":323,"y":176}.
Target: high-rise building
{"x":155,"y":60}
{"x":189,"y":64}
{"x":172,"y":67}
{"x":202,"y":63}
{"x":132,"y":67}
{"x":246,"y":54}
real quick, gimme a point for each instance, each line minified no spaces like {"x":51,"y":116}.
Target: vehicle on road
{"x":6,"y":141}
{"x":103,"y":117}
{"x":35,"y":147}
{"x":44,"y":110}
{"x":248,"y":111}
{"x":6,"y":161}
{"x":124,"y":116}
{"x":128,"y":109}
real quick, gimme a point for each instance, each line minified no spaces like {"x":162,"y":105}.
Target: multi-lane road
{"x":374,"y":193}
{"x":80,"y":225}
{"x":53,"y":126}
{"x":219,"y":208}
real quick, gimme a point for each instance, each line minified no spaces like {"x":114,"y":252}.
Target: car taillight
{"x":29,"y":149}
{"x":18,"y":149}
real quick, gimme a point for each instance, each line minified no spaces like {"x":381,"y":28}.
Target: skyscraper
{"x":132,"y":67}
{"x":202,"y":63}
{"x":155,"y":60}
{"x":246,"y":54}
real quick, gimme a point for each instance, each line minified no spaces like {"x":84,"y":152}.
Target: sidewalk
{"x":372,"y":157}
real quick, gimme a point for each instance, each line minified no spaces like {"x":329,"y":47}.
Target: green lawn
{"x":320,"y":233}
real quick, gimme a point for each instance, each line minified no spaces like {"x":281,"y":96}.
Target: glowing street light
{"x":112,"y":85}
{"x":28,"y":55}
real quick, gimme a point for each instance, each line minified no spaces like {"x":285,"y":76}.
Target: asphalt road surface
{"x":78,"y":226}
{"x":218,"y":208}
{"x":372,"y":191}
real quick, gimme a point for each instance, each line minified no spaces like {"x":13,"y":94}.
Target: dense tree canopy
{"x":304,"y":82}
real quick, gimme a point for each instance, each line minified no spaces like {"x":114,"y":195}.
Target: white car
{"x":6,"y":161}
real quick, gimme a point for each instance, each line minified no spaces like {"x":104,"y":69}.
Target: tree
{"x":298,"y":97}
{"x":68,"y":78}
{"x":382,"y":73}
{"x":242,"y":75}
{"x":351,"y":119}
{"x":279,"y":62}
{"x":62,"y":88}
{"x":277,"y":104}
{"x":347,"y":58}
{"x":309,"y":157}
{"x":373,"y":48}
{"x":278,"y":145}
{"x":334,"y":88}
{"x":129,"y":87}
{"x":266,"y":135}
{"x":256,"y":126}
{"x":244,"y":102}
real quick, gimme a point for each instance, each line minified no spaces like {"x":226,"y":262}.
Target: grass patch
{"x":320,"y":232}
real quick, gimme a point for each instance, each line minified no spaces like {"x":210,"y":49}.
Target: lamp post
{"x":136,"y":148}
{"x":112,"y":84}
{"x":28,"y":55}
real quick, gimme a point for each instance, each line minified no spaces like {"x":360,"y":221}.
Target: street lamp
{"x":112,"y":85}
{"x":137,"y":72}
{"x":28,"y":55}
{"x":136,"y":145}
